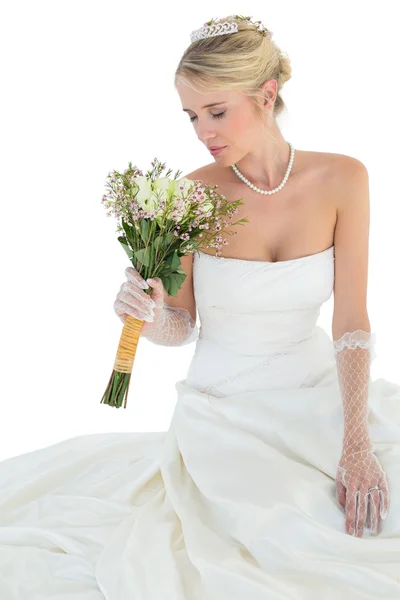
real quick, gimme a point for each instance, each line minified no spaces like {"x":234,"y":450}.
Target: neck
{"x":266,"y":166}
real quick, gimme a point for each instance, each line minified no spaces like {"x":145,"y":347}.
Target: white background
{"x":87,"y":87}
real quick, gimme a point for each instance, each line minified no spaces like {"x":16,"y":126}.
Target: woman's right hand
{"x":132,"y":300}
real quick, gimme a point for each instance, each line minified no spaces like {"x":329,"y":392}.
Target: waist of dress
{"x":257,"y":333}
{"x":216,"y":369}
{"x":242,"y":344}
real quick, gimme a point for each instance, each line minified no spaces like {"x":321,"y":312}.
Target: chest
{"x":297,"y":221}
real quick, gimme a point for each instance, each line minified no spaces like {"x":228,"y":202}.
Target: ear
{"x":270,"y":91}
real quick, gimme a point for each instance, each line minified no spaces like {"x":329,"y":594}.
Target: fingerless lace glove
{"x":359,"y":470}
{"x":354,"y":351}
{"x":172,"y":326}
{"x":162,"y":324}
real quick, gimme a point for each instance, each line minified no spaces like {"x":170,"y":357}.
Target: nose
{"x":205,"y":134}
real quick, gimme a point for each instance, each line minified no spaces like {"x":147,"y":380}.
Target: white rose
{"x":207,"y":206}
{"x":150,"y":193}
{"x":164,"y":190}
{"x":186,"y":183}
{"x":153,"y":203}
{"x":164,"y":187}
{"x":144,"y":191}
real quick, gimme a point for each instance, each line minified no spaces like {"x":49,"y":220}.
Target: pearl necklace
{"x":280,"y":186}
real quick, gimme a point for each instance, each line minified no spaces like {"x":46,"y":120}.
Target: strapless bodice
{"x":262,"y":304}
{"x":252,"y":311}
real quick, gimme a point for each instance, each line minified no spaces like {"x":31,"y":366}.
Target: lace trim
{"x":358,"y":338}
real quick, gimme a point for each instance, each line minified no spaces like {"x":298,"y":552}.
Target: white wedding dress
{"x":236,"y":501}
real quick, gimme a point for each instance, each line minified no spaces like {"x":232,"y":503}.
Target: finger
{"x":134,"y":276}
{"x":340,"y":493}
{"x":374,"y":502}
{"x":384,"y":497}
{"x":368,"y":517}
{"x":132,"y":290}
{"x":135,"y":300}
{"x":351,"y":510}
{"x":155,"y":282}
{"x":361,"y":516}
{"x":370,"y":507}
{"x":137,"y":312}
{"x":158,"y":291}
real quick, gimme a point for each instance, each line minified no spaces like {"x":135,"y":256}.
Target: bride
{"x":279,"y":476}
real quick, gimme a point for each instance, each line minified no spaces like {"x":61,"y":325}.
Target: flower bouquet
{"x":160,"y":219}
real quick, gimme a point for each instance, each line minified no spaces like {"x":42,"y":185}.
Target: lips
{"x":218,"y":150}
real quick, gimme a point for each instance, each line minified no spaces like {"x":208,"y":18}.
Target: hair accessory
{"x":225,"y":25}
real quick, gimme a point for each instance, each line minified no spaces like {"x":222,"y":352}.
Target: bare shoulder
{"x":329,"y":166}
{"x":343,"y":173}
{"x":342,"y":164}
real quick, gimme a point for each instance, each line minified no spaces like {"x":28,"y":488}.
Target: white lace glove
{"x":360,"y":476}
{"x":163,"y":325}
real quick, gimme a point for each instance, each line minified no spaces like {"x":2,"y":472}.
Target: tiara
{"x":222,"y":26}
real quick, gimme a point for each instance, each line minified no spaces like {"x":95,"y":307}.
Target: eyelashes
{"x":218,"y":116}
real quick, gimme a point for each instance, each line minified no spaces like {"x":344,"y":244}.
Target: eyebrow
{"x":207,"y":105}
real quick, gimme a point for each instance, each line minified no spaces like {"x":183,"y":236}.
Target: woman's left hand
{"x":357,"y":477}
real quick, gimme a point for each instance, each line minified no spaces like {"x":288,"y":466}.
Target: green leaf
{"x":126,"y":227}
{"x":166,"y":283}
{"x":173,"y":282}
{"x":143,"y":256}
{"x":145,"y":229}
{"x":152,"y":253}
{"x":126,"y":247}
{"x":169,"y":239}
{"x":174,"y":261}
{"x":159,"y":243}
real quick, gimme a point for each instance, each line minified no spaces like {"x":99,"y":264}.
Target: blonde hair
{"x":240,"y":61}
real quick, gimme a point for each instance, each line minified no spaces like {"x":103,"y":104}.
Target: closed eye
{"x":218,"y":116}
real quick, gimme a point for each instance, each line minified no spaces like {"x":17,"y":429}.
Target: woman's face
{"x":231,"y":122}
